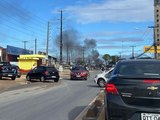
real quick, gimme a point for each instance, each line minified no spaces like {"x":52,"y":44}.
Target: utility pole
{"x":133,"y":51}
{"x":61,"y":45}
{"x":155,"y":45}
{"x":154,"y":42}
{"x":35,"y":46}
{"x":83,"y":53}
{"x":48,"y":32}
{"x":25,"y":44}
{"x":122,"y":49}
{"x":120,"y":55}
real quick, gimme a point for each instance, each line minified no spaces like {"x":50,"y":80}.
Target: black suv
{"x":133,"y":91}
{"x":43,"y":73}
{"x":8,"y":70}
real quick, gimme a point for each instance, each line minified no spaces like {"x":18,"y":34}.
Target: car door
{"x":37,"y":72}
{"x":32,"y":73}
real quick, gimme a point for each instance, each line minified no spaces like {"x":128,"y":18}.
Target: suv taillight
{"x":111,"y":89}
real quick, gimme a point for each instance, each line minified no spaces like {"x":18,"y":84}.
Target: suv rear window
{"x":50,"y":69}
{"x":140,"y":68}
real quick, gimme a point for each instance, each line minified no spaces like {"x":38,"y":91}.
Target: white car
{"x":103,"y":77}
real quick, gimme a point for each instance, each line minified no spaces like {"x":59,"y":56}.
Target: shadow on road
{"x":68,"y":79}
{"x":38,"y":81}
{"x":6,"y":79}
{"x":75,"y":112}
{"x":96,"y":86}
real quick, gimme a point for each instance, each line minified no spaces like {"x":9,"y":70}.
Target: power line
{"x":21,"y":14}
{"x":39,"y":29}
{"x":15,"y":38}
{"x":17,"y":29}
{"x":145,"y":51}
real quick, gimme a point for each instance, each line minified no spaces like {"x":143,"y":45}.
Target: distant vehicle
{"x":43,"y":73}
{"x":103,"y":77}
{"x":7,"y":70}
{"x":133,"y":91}
{"x":79,"y":72}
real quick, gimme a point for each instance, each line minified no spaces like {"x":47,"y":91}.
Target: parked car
{"x":43,"y":73}
{"x":133,"y":91}
{"x":79,"y":72}
{"x":18,"y":71}
{"x":103,"y":77}
{"x":7,"y":70}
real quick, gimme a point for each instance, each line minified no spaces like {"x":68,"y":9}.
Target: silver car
{"x":103,"y":77}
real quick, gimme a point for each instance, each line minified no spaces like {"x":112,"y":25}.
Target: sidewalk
{"x":8,"y":83}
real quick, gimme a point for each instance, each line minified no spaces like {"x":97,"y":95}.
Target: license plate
{"x":150,"y":116}
{"x":9,"y":75}
{"x":53,"y":76}
{"x":78,"y":76}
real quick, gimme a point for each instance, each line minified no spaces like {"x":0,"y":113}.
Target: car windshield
{"x":145,"y":68}
{"x":4,"y":63}
{"x":79,"y":68}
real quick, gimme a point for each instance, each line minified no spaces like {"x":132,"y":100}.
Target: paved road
{"x":63,"y":102}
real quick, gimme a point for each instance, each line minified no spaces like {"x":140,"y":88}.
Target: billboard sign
{"x":150,"y":49}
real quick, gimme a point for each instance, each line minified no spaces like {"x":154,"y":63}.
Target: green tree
{"x":114,"y":59}
{"x":107,"y":58}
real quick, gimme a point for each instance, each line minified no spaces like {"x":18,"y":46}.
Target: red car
{"x":79,"y":72}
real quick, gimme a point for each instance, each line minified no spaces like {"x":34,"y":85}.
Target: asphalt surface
{"x":61,"y":102}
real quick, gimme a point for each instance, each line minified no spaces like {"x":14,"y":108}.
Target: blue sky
{"x":114,"y":24}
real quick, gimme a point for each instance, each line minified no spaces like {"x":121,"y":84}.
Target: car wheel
{"x":42,"y":79}
{"x":28,"y":78}
{"x":101,"y":82}
{"x":13,"y":78}
{"x":56,"y":80}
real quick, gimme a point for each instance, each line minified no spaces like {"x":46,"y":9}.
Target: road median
{"x":95,"y":110}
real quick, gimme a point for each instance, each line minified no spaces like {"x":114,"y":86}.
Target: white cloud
{"x":113,"y":11}
{"x":119,"y":41}
{"x":112,"y":47}
{"x":113,"y":33}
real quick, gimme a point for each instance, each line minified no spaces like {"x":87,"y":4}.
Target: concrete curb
{"x":94,"y":111}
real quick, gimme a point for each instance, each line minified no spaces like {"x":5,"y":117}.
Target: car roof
{"x":46,"y":66}
{"x":139,"y":60}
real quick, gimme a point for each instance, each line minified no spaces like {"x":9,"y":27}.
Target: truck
{"x":8,"y":70}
